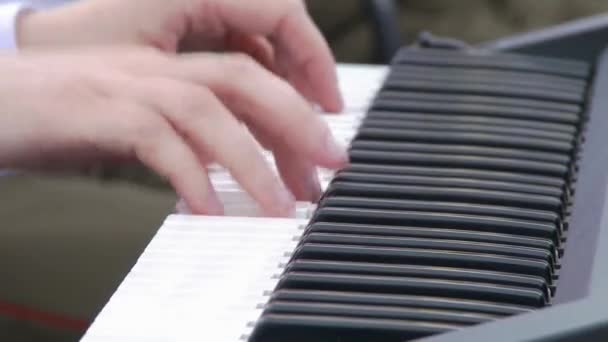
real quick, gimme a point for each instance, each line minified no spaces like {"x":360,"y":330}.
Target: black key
{"x":505,"y":90}
{"x":306,"y":328}
{"x":468,"y":150}
{"x":470,"y":173}
{"x":447,"y":182}
{"x":467,"y":128}
{"x":410,"y":285}
{"x":375,"y":311}
{"x":458,"y":161}
{"x":445,"y":194}
{"x":434,"y":302}
{"x":460,"y":181}
{"x":430,"y":244}
{"x":448,"y":207}
{"x":476,"y":119}
{"x":542,"y":115}
{"x":458,"y":274}
{"x":438,"y":220}
{"x":464,"y":234}
{"x":456,"y":74}
{"x":463,"y":138}
{"x":437,"y":75}
{"x":502,"y":61}
{"x":476,"y":99}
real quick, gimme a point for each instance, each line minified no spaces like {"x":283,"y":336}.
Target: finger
{"x":151,"y":139}
{"x":256,"y":46}
{"x":298,"y":43}
{"x":298,"y":174}
{"x":249,"y":89}
{"x":175,"y":161}
{"x":269,"y":103}
{"x":302,"y":86}
{"x":201,"y":119}
{"x":259,"y":96}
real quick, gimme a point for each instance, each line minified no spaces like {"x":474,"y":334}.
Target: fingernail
{"x":335,"y":151}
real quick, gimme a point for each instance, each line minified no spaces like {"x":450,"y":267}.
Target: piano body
{"x":475,"y":209}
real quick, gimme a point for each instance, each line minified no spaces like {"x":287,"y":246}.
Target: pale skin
{"x":101,"y":80}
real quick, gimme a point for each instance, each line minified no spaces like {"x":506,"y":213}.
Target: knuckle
{"x":187,"y":102}
{"x":147,"y":149}
{"x":147,"y":132}
{"x":148,"y":129}
{"x":195,"y":99}
{"x":76,"y":85}
{"x":242,"y":65}
{"x":197,"y":106}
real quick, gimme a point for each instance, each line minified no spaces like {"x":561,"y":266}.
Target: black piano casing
{"x":580,"y":308}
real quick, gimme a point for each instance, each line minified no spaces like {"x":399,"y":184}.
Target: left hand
{"x":278,"y":33}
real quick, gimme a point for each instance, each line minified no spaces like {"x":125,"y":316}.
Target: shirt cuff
{"x":8,"y":21}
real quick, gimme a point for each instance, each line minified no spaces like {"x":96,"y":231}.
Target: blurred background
{"x":347,"y":24}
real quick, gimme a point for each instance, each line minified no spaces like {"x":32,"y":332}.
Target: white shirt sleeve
{"x":8,"y":18}
{"x":9,"y":11}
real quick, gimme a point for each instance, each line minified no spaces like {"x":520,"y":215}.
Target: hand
{"x":278,"y":33}
{"x":174,"y":113}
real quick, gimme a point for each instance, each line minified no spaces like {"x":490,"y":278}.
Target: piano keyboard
{"x":454,"y":212}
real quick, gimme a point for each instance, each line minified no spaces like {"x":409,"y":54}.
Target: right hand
{"x":174,"y":113}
